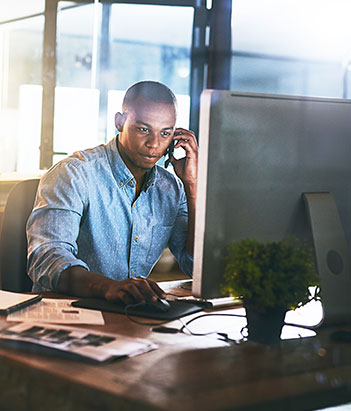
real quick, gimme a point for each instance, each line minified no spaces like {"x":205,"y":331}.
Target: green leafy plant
{"x":270,"y":274}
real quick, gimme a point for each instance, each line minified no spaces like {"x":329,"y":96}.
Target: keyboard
{"x":176,"y":285}
{"x":221,"y":302}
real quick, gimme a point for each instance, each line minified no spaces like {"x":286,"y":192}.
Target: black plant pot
{"x":265,"y":327}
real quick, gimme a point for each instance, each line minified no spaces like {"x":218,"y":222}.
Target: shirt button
{"x":121,"y":184}
{"x":136,"y":238}
{"x":133,"y":272}
{"x":134,"y":205}
{"x":131,"y":182}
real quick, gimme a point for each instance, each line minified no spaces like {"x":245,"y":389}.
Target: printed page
{"x":58,"y":311}
{"x":91,"y":344}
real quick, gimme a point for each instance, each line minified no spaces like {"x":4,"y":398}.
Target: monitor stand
{"x":332,"y":258}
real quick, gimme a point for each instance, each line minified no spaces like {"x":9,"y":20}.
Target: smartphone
{"x":169,"y":153}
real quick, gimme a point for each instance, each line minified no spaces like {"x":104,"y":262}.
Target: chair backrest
{"x":13,"y":241}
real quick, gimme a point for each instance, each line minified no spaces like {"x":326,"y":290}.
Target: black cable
{"x":307,"y":327}
{"x":185,"y":326}
{"x":171,"y":330}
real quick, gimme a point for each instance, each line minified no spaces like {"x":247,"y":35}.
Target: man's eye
{"x":143,"y":129}
{"x":165,"y":133}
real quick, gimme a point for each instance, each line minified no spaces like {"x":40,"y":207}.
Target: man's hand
{"x":133,"y":290}
{"x":80,"y":282}
{"x":186,"y":167}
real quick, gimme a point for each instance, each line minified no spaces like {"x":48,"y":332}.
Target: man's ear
{"x":119,"y":121}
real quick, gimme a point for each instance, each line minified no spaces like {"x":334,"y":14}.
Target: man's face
{"x":145,"y":132}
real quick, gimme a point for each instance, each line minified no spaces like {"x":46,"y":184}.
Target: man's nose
{"x":152,"y":140}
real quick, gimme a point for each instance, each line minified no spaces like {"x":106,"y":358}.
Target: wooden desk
{"x":300,"y":374}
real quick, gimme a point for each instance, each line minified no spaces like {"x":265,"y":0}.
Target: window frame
{"x":209,"y":65}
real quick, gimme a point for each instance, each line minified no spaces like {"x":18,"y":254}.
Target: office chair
{"x":13,"y":241}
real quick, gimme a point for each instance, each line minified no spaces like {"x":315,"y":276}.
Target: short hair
{"x":149,"y":90}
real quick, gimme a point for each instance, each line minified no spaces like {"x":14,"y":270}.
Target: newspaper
{"x":91,"y":344}
{"x":58,"y":311}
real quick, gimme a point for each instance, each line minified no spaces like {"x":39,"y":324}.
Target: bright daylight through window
{"x":113,"y":46}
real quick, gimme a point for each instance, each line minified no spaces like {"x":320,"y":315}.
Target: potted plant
{"x":270,"y":277}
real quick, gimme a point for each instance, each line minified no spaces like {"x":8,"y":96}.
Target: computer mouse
{"x":160,"y":306}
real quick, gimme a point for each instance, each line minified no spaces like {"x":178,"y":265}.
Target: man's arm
{"x":186,"y":170}
{"x":52,"y":230}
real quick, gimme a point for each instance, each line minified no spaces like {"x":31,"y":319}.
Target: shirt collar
{"x":121,"y":172}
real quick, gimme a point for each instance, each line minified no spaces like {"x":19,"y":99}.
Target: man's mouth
{"x":149,"y":157}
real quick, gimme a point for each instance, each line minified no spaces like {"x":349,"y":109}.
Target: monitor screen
{"x":257,"y":155}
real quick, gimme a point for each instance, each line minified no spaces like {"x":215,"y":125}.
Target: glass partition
{"x":150,"y":42}
{"x":74,"y":43}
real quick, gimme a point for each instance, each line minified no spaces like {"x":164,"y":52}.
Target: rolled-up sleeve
{"x":53,"y":226}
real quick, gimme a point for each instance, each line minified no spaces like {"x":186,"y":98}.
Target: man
{"x":103,"y":216}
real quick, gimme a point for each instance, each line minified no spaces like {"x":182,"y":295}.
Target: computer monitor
{"x":258,"y":154}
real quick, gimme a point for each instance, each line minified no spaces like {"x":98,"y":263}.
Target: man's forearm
{"x":80,"y":282}
{"x":191,"y":202}
{"x":186,"y":169}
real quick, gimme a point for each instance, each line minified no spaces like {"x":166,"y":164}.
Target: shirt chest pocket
{"x":159,"y":239}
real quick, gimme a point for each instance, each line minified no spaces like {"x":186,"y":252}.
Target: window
{"x":112,"y":47}
{"x":91,"y":51}
{"x":21,"y":40}
{"x":291,"y":47}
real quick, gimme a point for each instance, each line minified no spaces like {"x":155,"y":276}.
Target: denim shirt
{"x":85,"y":214}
